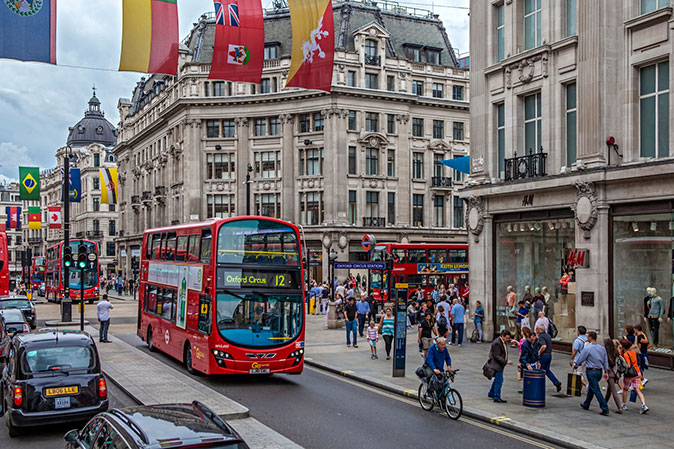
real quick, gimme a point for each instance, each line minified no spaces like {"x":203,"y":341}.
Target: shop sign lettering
{"x":579,"y":258}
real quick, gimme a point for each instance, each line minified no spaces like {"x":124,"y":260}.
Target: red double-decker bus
{"x":421,"y":265}
{"x":37,"y":273}
{"x":4,"y":265}
{"x":55,"y":275}
{"x":225,"y":296}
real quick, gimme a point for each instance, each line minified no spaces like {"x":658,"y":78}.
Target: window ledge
{"x":544,"y":48}
{"x":648,"y":18}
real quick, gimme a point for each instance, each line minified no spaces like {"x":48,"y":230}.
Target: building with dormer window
{"x":363,"y":159}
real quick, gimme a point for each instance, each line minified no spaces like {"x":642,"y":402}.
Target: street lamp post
{"x":248,"y":172}
{"x":66,"y":307}
{"x":332,"y":256}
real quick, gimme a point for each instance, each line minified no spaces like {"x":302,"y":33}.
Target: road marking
{"x":498,"y":419}
{"x":410,"y":401}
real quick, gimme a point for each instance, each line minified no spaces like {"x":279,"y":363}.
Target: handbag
{"x":487,"y":370}
{"x":631,"y":371}
{"x":574,"y":384}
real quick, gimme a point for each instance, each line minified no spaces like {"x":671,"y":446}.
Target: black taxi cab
{"x":51,"y":377}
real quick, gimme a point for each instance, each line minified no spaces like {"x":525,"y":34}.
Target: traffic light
{"x":134,"y":263}
{"x":82,"y":256}
{"x":67,"y":256}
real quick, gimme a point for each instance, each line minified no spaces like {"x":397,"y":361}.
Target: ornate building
{"x":91,"y":141}
{"x":364,"y":158}
{"x":572,"y":170}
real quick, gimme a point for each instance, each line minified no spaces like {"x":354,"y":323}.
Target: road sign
{"x":92,"y":257}
{"x":360,"y":266}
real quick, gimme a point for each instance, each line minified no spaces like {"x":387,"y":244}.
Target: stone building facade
{"x":91,"y":141}
{"x":572,"y":168}
{"x":364,"y":158}
{"x":9,"y":197}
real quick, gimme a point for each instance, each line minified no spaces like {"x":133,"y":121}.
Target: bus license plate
{"x":259,"y":371}
{"x":60,"y":403}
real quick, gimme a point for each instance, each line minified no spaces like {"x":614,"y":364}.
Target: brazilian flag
{"x":29,"y":178}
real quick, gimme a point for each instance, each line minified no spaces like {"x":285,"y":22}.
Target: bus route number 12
{"x":279,"y":280}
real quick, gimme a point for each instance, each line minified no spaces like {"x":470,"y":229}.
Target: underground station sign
{"x":368,"y":242}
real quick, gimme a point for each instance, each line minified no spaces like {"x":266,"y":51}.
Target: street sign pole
{"x":400,"y":303}
{"x":66,"y":315}
{"x":82,"y":299}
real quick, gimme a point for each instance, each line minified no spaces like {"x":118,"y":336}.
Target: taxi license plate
{"x":60,"y":391}
{"x":60,"y":403}
{"x":259,"y":371}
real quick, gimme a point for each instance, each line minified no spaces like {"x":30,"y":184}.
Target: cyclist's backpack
{"x":436,"y":383}
{"x":420,"y":373}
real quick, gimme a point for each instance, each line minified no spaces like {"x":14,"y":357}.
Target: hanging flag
{"x":461,"y":164}
{"x":34,"y":217}
{"x":150,"y":36}
{"x":313,"y":44}
{"x":238,"y":52}
{"x":13,"y":217}
{"x":54,"y":217}
{"x":28,"y":30}
{"x":75,"y":185}
{"x":29,"y":178}
{"x":109,"y":185}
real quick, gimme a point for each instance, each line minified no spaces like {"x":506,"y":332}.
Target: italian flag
{"x":150,"y":36}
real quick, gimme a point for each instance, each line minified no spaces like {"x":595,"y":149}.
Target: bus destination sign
{"x":286,"y":279}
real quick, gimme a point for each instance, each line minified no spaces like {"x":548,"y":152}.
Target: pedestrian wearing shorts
{"x":426,"y":332}
{"x":372,"y":338}
{"x":632,"y":382}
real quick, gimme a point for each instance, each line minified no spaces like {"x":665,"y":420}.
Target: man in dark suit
{"x":498,"y":359}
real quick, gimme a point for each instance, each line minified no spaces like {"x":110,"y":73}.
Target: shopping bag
{"x":633,"y":396}
{"x":574,"y":384}
{"x":525,"y":323}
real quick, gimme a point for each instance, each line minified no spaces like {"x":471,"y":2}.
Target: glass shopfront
{"x":530,"y":262}
{"x":643,"y":258}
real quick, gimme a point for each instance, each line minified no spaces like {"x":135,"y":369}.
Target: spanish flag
{"x":109,"y":186}
{"x":34,"y":217}
{"x":313,"y":56}
{"x":150,"y":36}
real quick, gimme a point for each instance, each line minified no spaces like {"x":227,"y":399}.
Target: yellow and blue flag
{"x":28,"y":30}
{"x":109,"y":186}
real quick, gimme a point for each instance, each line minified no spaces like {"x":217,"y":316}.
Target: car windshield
{"x":15,"y":304}
{"x":13,"y":316}
{"x":59,"y":358}
{"x":259,"y":319}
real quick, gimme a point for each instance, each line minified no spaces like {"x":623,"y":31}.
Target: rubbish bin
{"x":534,"y":388}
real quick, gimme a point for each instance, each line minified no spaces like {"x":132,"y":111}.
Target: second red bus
{"x":37,"y":273}
{"x":55,"y":274}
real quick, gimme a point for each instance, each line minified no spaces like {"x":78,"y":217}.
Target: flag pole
{"x":66,"y":315}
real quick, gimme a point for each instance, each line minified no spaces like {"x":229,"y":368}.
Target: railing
{"x":374,"y":222}
{"x":271,"y":63}
{"x":531,"y":165}
{"x":34,"y":240}
{"x":95,"y":234}
{"x":373,"y":60}
{"x":160,"y":191}
{"x":441,"y":181}
{"x":147,"y":196}
{"x":79,"y":234}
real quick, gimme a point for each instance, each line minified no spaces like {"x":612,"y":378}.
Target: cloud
{"x":11,"y":157}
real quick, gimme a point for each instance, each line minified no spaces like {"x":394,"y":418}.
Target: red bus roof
{"x":215,"y":222}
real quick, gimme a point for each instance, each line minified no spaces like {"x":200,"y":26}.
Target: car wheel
{"x":150,"y":346}
{"x":12,"y":430}
{"x":188,"y":359}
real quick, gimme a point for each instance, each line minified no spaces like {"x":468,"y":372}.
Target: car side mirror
{"x":72,"y":436}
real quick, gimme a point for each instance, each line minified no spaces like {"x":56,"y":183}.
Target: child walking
{"x":372,"y":338}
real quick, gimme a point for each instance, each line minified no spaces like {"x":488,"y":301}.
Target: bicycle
{"x":448,"y":398}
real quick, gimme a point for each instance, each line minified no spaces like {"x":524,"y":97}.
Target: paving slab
{"x":561,"y":422}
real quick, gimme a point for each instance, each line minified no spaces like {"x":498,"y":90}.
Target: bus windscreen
{"x":257,"y":242}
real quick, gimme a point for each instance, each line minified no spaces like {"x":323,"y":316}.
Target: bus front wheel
{"x":187,"y":358}
{"x":150,"y":346}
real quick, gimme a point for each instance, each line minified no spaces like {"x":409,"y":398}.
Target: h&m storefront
{"x":592,"y":255}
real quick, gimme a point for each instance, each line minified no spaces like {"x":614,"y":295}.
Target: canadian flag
{"x":54,"y":217}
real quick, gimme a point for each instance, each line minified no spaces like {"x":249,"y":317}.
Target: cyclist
{"x":437,"y":356}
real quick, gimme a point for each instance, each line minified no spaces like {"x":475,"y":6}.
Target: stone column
{"x":243,"y":158}
{"x":404,"y":193}
{"x":192,"y":171}
{"x":288,"y":167}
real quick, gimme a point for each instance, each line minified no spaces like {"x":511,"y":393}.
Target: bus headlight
{"x":297,"y":355}
{"x":221,"y":356}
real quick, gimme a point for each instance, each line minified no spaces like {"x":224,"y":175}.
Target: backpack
{"x":475,"y":336}
{"x":442,"y":322}
{"x":620,"y":365}
{"x":552,"y":329}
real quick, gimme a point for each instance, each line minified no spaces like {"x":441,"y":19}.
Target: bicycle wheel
{"x":453,"y":404}
{"x":425,"y":397}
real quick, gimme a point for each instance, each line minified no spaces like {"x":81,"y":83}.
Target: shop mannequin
{"x":656,"y":310}
{"x":564,"y":291}
{"x":528,"y":298}
{"x":511,"y":304}
{"x":548,"y":304}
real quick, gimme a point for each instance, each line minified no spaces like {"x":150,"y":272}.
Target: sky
{"x":38,"y":102}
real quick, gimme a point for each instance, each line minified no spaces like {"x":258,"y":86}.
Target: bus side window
{"x":181,"y":251}
{"x":151,"y":299}
{"x":170,"y":252}
{"x":193,"y":250}
{"x":156,"y":246}
{"x":206,"y":246}
{"x":205,"y":314}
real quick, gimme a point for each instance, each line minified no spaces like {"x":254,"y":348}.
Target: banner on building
{"x":28,"y":30}
{"x":313,"y":44}
{"x":238,"y":52}
{"x":54,"y":217}
{"x":34,"y":217}
{"x":150,"y":36}
{"x":29,"y":180}
{"x":109,"y":185}
{"x":75,"y":185}
{"x":13,"y":217}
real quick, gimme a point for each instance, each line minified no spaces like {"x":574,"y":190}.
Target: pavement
{"x":562,"y":422}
